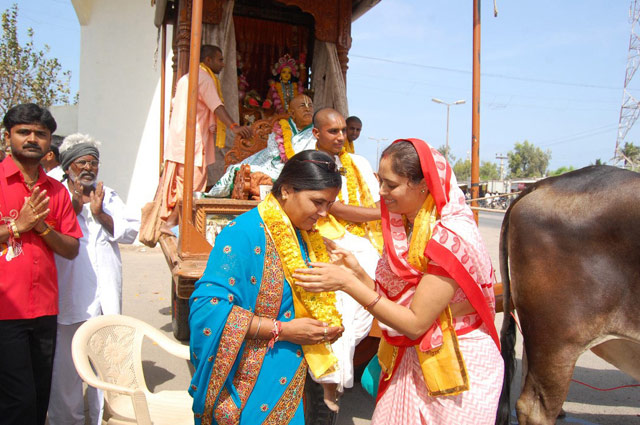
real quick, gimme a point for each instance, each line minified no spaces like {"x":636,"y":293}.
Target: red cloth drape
{"x":261,"y":43}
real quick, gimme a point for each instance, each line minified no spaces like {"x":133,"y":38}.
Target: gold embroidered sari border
{"x":230,"y":342}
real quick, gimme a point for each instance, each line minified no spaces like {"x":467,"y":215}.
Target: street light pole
{"x":448,"y":105}
{"x":378,"y":140}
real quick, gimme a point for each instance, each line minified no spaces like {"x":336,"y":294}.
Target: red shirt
{"x":28,"y":279}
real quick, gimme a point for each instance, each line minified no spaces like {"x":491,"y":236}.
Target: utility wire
{"x":485,"y":74}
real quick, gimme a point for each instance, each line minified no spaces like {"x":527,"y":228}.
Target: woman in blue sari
{"x":246,"y":339}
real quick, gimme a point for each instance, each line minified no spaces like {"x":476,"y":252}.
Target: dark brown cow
{"x":571,"y":247}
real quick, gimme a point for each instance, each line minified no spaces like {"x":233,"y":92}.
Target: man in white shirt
{"x":51,"y":160}
{"x":357,"y":211}
{"x":90,"y":284}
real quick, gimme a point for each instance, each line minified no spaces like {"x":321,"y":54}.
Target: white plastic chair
{"x":113,"y":345}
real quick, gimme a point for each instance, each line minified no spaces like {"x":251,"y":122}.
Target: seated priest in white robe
{"x":289,"y":137}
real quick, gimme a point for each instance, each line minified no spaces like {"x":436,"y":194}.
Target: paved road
{"x":146,"y":296}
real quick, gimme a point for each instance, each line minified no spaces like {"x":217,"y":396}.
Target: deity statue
{"x":282,"y":92}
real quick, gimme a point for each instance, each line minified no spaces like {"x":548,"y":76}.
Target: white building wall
{"x":119,"y":93}
{"x":66,"y":117}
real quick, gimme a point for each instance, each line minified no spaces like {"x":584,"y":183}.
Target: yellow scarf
{"x":443,"y":367}
{"x":221,"y":129}
{"x":320,"y":306}
{"x":348,"y":146}
{"x":356,"y":184}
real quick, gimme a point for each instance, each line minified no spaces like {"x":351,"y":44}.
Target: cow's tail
{"x":508,"y":331}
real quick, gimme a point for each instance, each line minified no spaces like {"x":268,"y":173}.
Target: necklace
{"x":31,"y":183}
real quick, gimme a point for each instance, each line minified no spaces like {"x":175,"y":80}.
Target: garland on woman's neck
{"x":320,"y":306}
{"x":357,"y":185}
{"x":283,"y":134}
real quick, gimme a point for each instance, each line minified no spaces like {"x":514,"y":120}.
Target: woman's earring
{"x":422,"y":191}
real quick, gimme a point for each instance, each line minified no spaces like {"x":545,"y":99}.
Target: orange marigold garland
{"x":322,"y":305}
{"x":357,"y":185}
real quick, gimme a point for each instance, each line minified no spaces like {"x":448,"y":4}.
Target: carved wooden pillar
{"x":183,"y":37}
{"x":174,"y":58}
{"x":343,"y":43}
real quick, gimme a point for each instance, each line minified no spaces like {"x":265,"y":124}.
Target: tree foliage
{"x":562,"y":170}
{"x":26,"y":73}
{"x":462,"y":170}
{"x":527,"y":160}
{"x":489,"y":171}
{"x":631,"y":155}
{"x":446,"y":152}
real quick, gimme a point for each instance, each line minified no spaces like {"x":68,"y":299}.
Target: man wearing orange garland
{"x":354,"y":225}
{"x":288,"y":137}
{"x":212,"y":119}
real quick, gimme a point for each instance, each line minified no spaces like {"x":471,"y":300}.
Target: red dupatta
{"x":455,"y":244}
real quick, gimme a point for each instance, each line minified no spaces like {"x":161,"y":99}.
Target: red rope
{"x":605,"y":389}
{"x":516,"y":320}
{"x":579,"y":382}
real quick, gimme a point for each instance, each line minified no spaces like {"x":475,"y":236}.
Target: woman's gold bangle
{"x":369,"y":306}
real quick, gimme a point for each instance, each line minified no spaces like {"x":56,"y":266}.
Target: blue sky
{"x":552,"y":72}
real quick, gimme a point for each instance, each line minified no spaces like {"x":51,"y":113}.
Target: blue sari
{"x":236,"y":380}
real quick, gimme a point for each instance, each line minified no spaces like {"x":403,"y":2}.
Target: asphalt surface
{"x":146,"y":295}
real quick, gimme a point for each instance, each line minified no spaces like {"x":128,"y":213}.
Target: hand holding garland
{"x":432,"y":296}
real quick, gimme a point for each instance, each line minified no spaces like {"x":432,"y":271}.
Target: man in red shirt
{"x":36,"y":221}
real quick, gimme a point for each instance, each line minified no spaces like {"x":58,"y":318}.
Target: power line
{"x":485,"y":74}
{"x":580,"y":135}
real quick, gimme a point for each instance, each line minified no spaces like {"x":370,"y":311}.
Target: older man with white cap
{"x":91,"y":284}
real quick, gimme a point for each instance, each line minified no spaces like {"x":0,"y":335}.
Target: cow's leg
{"x":546,"y":384}
{"x":622,"y":353}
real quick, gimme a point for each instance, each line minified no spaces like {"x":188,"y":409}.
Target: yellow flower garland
{"x":320,"y":306}
{"x":355,"y":185}
{"x":287,"y":134}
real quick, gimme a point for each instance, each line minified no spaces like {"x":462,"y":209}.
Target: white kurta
{"x":56,"y":173}
{"x":356,"y":320}
{"x":91,"y":283}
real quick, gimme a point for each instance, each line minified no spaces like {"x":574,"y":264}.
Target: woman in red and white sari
{"x":433,"y":296}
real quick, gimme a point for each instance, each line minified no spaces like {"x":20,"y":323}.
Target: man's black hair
{"x":208,"y":51}
{"x":354,"y":118}
{"x":56,"y":141}
{"x":29,"y":113}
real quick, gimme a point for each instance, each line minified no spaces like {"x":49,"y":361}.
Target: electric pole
{"x":630,"y":108}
